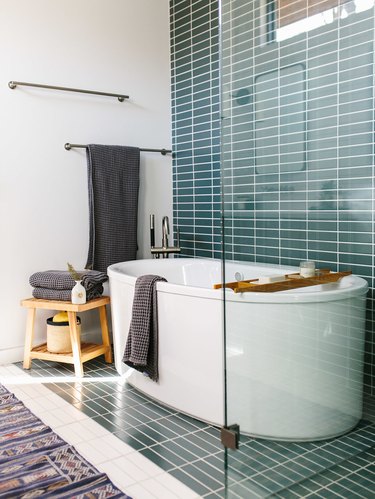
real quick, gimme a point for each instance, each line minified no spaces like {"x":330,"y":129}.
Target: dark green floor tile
{"x":352,"y":485}
{"x":181,"y":425}
{"x":363,"y":478}
{"x":168,"y":454}
{"x":132,"y":416}
{"x":311,"y":464}
{"x":139,"y":435}
{"x":155,"y":410}
{"x":114,"y":402}
{"x":195,"y":423}
{"x":192,"y":447}
{"x":128,"y":439}
{"x":69,"y":398}
{"x":124,"y":400}
{"x":120,"y":422}
{"x":54,"y":387}
{"x":290,"y":494}
{"x":158,"y":460}
{"x":95,"y":406}
{"x":108,"y":425}
{"x":319,"y":480}
{"x":96,"y":390}
{"x":190,"y":482}
{"x":292,"y":471}
{"x":241,"y":469}
{"x":251,"y":458}
{"x":248,"y":490}
{"x":105,"y":404}
{"x":196,"y":471}
{"x":158,"y":431}
{"x":234,"y":475}
{"x":214,"y":440}
{"x":215,"y":473}
{"x":323,"y":495}
{"x":340,"y":491}
{"x":86,"y":410}
{"x":273,"y":481}
{"x":181,"y":451}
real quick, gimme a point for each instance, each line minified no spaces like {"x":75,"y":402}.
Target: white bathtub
{"x":294,"y":358}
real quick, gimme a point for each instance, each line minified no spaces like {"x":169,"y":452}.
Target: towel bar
{"x":13,"y":84}
{"x":69,"y":146}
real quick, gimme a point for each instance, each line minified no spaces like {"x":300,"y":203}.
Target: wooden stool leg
{"x":29,"y":338}
{"x":76,"y":344}
{"x":105,"y":333}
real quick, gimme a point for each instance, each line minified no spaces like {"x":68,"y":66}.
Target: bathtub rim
{"x":357,"y":286}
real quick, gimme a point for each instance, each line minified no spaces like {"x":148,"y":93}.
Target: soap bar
{"x":270,"y":278}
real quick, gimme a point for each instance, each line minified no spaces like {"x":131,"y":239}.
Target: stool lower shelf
{"x":88,"y":351}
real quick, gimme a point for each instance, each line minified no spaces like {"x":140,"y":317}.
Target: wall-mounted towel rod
{"x":14,"y":84}
{"x":69,"y":146}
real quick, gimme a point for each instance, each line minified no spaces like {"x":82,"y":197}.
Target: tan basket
{"x":58,"y":336}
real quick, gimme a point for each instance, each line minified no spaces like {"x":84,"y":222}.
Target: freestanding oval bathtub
{"x":294,"y":358}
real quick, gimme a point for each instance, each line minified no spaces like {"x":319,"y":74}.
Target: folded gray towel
{"x":62,"y":279}
{"x":65,"y":294}
{"x":141,"y":351}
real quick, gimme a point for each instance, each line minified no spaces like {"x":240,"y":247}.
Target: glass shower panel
{"x":297,"y":175}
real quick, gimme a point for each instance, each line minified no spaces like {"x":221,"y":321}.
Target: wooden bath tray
{"x":293,"y":281}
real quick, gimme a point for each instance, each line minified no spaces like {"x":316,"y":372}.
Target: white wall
{"x":112,"y":45}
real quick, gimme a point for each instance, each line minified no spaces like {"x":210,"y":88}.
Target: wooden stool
{"x":80,"y":352}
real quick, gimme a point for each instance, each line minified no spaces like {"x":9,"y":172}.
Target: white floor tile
{"x":70,"y":413}
{"x":53,"y":420}
{"x":158,"y":489}
{"x":98,"y":451}
{"x":117,"y":444}
{"x":177,"y":488}
{"x":145,"y":464}
{"x":119,"y":476}
{"x":139,"y":492}
{"x":130,"y":471}
{"x":133,"y":470}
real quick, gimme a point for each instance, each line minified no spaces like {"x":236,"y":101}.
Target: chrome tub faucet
{"x":165,"y":232}
{"x":164,"y":250}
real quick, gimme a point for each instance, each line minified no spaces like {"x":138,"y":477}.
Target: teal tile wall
{"x":297,"y":141}
{"x":196,"y":126}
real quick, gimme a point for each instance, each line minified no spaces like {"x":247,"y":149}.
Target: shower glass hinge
{"x":230,"y":436}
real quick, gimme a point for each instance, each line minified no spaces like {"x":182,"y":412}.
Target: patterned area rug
{"x":36,"y":462}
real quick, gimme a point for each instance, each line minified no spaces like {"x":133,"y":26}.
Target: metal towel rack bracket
{"x":13,"y":84}
{"x":69,"y":146}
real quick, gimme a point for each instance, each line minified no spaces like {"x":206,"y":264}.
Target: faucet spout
{"x":165,"y":232}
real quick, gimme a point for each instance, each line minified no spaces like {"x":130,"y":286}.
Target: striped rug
{"x":35,"y":462}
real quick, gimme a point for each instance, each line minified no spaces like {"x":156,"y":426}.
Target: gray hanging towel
{"x":141,"y":351}
{"x":113,"y":182}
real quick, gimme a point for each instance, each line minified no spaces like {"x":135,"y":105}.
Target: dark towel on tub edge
{"x":113,"y":184}
{"x":141,"y":350}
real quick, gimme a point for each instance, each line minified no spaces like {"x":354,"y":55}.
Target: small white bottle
{"x":307,"y":268}
{"x":78,"y":294}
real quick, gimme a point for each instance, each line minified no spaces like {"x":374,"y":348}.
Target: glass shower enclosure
{"x":297,"y":185}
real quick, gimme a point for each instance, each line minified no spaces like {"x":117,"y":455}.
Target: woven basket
{"x":58,"y":336}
